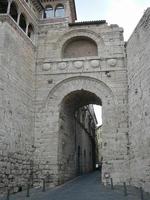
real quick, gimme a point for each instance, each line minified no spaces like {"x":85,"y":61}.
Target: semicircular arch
{"x":81,"y":33}
{"x":87,"y":83}
{"x":79,"y":47}
{"x":53,"y":102}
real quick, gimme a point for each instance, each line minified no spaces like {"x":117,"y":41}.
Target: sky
{"x":125,"y":13}
{"x":98,"y":113}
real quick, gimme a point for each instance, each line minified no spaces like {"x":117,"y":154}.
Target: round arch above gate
{"x":63,"y":88}
{"x":81,"y":33}
{"x":53,"y":107}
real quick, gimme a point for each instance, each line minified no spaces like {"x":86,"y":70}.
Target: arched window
{"x":49,"y":12}
{"x":22,"y":22}
{"x":31,"y":31}
{"x":59,"y":11}
{"x":3,"y":6}
{"x":80,"y":46}
{"x":14,"y":11}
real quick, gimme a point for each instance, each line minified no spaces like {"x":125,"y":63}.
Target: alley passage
{"x":86,"y":187}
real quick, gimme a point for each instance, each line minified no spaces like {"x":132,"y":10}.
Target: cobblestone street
{"x":86,"y":187}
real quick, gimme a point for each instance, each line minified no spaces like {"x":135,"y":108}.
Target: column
{"x":18,"y":19}
{"x":27,"y":27}
{"x":9,"y":4}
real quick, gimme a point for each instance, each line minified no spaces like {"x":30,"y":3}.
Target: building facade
{"x":99,"y":138}
{"x":51,"y":67}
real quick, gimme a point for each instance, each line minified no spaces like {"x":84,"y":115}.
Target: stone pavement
{"x":86,"y":187}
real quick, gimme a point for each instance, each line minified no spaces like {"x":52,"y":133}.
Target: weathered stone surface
{"x":38,"y":79}
{"x":138,"y":58}
{"x":16,"y":109}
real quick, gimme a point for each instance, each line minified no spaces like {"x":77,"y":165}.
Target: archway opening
{"x":78,"y":148}
{"x":59,"y":11}
{"x":49,"y":12}
{"x":22,"y":22}
{"x":31,"y":31}
{"x":3,"y":6}
{"x":14,"y":11}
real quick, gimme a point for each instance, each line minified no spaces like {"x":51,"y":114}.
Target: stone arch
{"x":99,"y":88}
{"x":81,"y":33}
{"x":78,"y":83}
{"x":79,"y":47}
{"x":86,"y":84}
{"x":50,"y":111}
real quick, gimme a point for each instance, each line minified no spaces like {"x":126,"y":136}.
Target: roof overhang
{"x":37,"y":4}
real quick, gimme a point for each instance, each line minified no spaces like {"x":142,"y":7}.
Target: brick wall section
{"x":16,"y":108}
{"x":138,"y":55}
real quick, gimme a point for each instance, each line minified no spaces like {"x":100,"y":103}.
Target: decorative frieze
{"x":112,"y":62}
{"x":78,"y":64}
{"x":82,"y":65}
{"x":95,"y":63}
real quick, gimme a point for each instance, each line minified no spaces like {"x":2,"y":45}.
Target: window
{"x":22,"y":22}
{"x":3,"y":6}
{"x":13,"y":11}
{"x":59,"y":11}
{"x":49,"y":12}
{"x":31,"y":31}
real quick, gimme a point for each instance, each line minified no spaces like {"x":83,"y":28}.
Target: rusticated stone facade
{"x":97,"y":79}
{"x":17,"y":65}
{"x":138,"y":49}
{"x":51,"y":68}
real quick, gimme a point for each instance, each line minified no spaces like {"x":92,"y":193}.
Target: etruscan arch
{"x":91,"y":90}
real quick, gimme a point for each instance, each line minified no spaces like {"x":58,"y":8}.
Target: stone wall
{"x":75,"y":144}
{"x":103,"y":75}
{"x":16,"y":107}
{"x":138,"y":63}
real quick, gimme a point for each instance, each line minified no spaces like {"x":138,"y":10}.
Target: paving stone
{"x":86,"y":187}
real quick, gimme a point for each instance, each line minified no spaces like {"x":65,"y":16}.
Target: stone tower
{"x":78,"y":63}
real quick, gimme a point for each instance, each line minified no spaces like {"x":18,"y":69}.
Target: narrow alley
{"x":86,"y":187}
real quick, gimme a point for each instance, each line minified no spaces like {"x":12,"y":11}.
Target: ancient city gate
{"x":84,"y":68}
